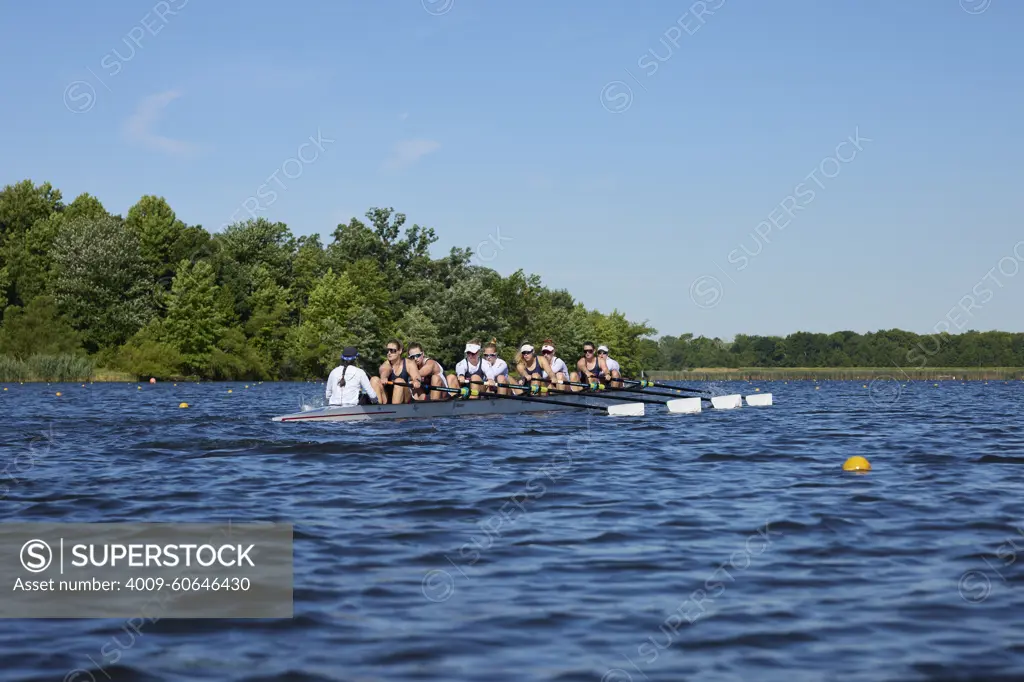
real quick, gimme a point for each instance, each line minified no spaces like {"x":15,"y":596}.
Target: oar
{"x":647,"y":382}
{"x":720,"y":402}
{"x":638,"y":390}
{"x":646,"y":391}
{"x":642,"y":384}
{"x":632,"y":409}
{"x":589,"y":394}
{"x":679,"y":405}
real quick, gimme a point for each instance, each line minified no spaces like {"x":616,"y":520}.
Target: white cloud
{"x":408,"y":152}
{"x":139,"y":126}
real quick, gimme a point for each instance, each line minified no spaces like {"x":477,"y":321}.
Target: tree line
{"x":885,"y":348}
{"x":149,"y":295}
{"x":152,"y":296}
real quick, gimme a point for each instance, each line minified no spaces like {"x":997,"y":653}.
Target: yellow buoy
{"x":138,"y":388}
{"x":817,"y":388}
{"x":229,"y":390}
{"x":175,"y":384}
{"x":58,"y":394}
{"x":856,"y":463}
{"x":183,"y":405}
{"x":756,"y":390}
{"x":5,"y":388}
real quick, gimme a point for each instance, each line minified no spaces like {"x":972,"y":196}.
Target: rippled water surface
{"x":727,"y":545}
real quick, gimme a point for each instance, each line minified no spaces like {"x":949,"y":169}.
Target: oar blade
{"x":626,"y":410}
{"x":727,"y":402}
{"x":684,"y":405}
{"x":759,"y":399}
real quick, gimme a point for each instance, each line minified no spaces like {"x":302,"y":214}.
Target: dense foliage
{"x":885,"y":348}
{"x":152,"y":296}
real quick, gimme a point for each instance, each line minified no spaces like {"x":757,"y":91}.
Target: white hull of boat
{"x":623,"y":405}
{"x":448,"y":408}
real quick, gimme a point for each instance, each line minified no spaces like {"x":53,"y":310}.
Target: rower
{"x":553,"y":365}
{"x":612,"y":370}
{"x":469,"y":371}
{"x":529,"y":367}
{"x":589,"y":368}
{"x":348,"y":385}
{"x":430,"y":372}
{"x":396,"y":384}
{"x":495,"y":369}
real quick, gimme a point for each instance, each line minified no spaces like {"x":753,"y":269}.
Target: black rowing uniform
{"x":473,"y":375}
{"x":596,"y":372}
{"x":535,"y":372}
{"x":404,"y":375}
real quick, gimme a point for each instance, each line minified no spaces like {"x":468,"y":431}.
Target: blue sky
{"x":628,"y":152}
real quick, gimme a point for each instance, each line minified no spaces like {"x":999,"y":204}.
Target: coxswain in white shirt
{"x":495,"y":369}
{"x":431,"y":373}
{"x":398,"y":376}
{"x":469,"y":372}
{"x":349,"y":385}
{"x":612,"y":369}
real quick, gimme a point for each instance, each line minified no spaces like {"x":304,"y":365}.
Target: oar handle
{"x":594,"y":385}
{"x":462,"y":392}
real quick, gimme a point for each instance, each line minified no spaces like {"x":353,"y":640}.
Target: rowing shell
{"x":490,"y":406}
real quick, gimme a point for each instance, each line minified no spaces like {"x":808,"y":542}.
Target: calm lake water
{"x":727,"y":545}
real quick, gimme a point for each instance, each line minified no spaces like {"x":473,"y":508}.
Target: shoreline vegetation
{"x":75,"y":369}
{"x":841,"y":374}
{"x":89,"y":295}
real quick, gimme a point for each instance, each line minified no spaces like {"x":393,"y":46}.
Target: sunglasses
{"x":470,"y":352}
{"x":415,"y":356}
{"x":490,"y":355}
{"x":547,"y":352}
{"x":527,"y":352}
{"x":588,"y":350}
{"x":390,"y":350}
{"x":602,"y":352}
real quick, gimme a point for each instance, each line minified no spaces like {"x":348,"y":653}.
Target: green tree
{"x":322,"y":331}
{"x":308,"y":265}
{"x":100,"y":281}
{"x":37,"y":329}
{"x":29,"y":257}
{"x":146,"y":354}
{"x":22,"y":205}
{"x":267,"y":326}
{"x":416,"y":327}
{"x":195,"y":322}
{"x":464,"y":311}
{"x":164,"y":241}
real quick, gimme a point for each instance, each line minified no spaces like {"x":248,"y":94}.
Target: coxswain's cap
{"x":349,"y":353}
